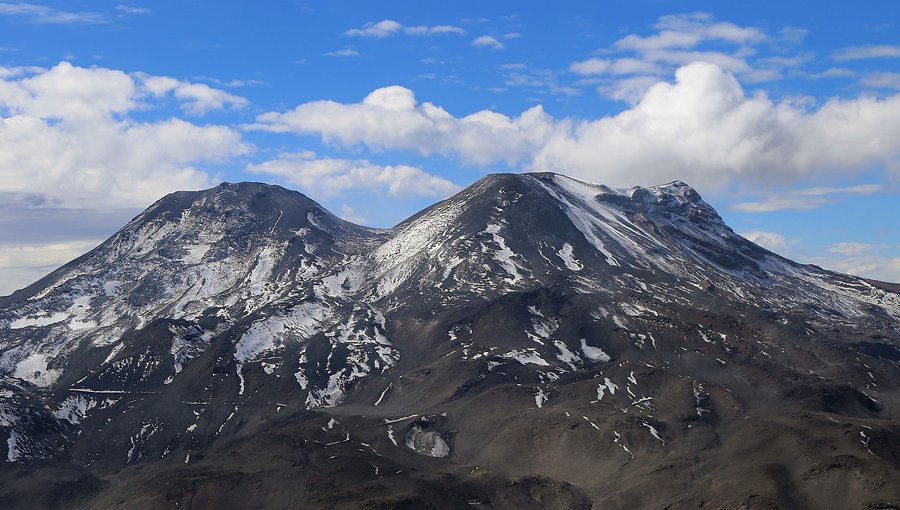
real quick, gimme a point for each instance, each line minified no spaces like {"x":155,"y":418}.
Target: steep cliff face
{"x":572,"y":340}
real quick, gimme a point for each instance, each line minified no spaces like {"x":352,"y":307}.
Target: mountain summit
{"x":533,"y":341}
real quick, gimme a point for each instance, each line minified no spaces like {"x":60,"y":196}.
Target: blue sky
{"x":785,"y":118}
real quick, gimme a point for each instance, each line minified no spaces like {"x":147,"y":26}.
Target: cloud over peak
{"x":69,"y":136}
{"x":702,"y":128}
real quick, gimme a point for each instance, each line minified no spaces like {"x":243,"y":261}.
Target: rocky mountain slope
{"x":533,"y":341}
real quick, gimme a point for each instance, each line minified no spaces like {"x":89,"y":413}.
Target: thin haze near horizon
{"x":787,"y":120}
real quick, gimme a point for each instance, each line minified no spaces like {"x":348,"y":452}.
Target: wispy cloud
{"x":866,"y":52}
{"x":389,"y":27}
{"x":805,"y":199}
{"x":628,"y":66}
{"x":687,"y":31}
{"x":346,"y":52}
{"x":597,"y":66}
{"x":131,"y":10}
{"x":882,"y":80}
{"x":45,"y":15}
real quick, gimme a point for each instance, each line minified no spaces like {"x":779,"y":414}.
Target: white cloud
{"x":332,"y":177}
{"x":702,"y":128}
{"x":769,"y":240}
{"x":346,"y":52}
{"x":435,"y":30}
{"x":196,"y":98}
{"x":687,"y":31}
{"x":67,"y":136}
{"x":390,"y":118}
{"x":383,"y":28}
{"x":805,"y":199}
{"x":866,"y":52}
{"x":596,"y":66}
{"x":49,"y":16}
{"x":487,"y":41}
{"x":389,"y":27}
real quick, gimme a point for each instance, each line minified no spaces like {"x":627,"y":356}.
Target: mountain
{"x":533,"y":341}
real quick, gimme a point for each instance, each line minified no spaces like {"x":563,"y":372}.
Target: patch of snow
{"x":504,"y":256}
{"x":593,"y":353}
{"x":33,"y":368}
{"x":12,"y":449}
{"x":526,"y":356}
{"x":269,"y":334}
{"x":653,"y":432}
{"x":194,"y":253}
{"x":566,"y":356}
{"x":607,"y":385}
{"x":540,"y":398}
{"x":111,"y":288}
{"x":38,"y":321}
{"x":383,"y":393}
{"x":566,"y":254}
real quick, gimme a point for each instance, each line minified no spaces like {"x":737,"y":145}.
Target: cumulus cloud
{"x":866,"y":52}
{"x":805,"y":199}
{"x":389,"y":27}
{"x":390,"y":118}
{"x":332,"y":177}
{"x":68,"y":139}
{"x":703,"y":128}
{"x":487,"y":41}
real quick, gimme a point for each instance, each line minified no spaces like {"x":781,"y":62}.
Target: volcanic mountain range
{"x":534,"y":341}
